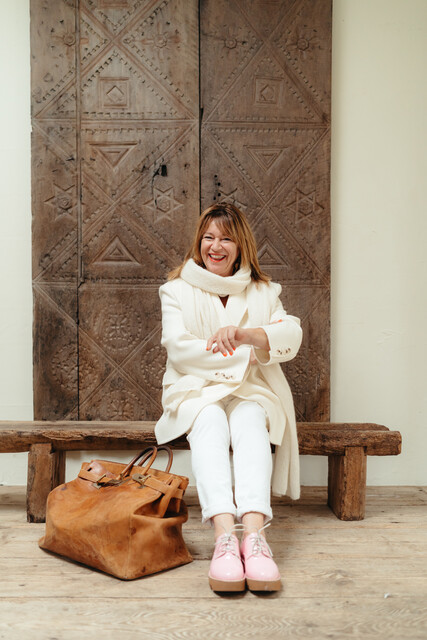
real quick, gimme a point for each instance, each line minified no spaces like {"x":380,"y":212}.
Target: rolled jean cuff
{"x":266,"y":510}
{"x":209,"y":512}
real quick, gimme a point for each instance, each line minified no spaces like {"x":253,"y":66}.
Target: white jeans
{"x":210,"y":438}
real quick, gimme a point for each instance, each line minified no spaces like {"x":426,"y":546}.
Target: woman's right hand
{"x":226,"y":340}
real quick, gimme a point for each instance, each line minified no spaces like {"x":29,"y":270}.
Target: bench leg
{"x":347,"y":484}
{"x":46,"y":470}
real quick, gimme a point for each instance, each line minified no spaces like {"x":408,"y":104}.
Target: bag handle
{"x":150,"y":451}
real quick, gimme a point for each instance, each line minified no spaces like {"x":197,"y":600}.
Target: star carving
{"x":304,"y":206}
{"x":62,"y":202}
{"x":163,"y":204}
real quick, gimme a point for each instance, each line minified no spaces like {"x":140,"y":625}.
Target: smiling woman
{"x":241,"y":399}
{"x":223,"y":223}
{"x":219,"y":252}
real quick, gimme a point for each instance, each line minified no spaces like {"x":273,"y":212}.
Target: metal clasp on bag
{"x":140,"y":478}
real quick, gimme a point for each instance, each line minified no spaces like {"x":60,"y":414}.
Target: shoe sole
{"x":227,"y":585}
{"x":264,"y":585}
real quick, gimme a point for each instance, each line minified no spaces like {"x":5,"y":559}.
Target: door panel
{"x":139,"y":128}
{"x":265,"y":138}
{"x":55,"y":209}
{"x":116,"y":196}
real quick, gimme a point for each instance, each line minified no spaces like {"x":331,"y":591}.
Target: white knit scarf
{"x":213,"y":283}
{"x":199,"y":315}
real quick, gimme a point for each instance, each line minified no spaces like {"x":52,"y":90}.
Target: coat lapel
{"x":236,"y":307}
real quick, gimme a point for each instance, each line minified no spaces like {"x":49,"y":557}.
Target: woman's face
{"x":219,"y":253}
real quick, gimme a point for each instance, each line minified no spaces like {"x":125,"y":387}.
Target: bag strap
{"x":153,"y":450}
{"x":164,"y":488}
{"x":108,"y":479}
{"x":143,"y":481}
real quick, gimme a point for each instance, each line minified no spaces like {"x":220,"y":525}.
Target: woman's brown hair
{"x":233,"y":223}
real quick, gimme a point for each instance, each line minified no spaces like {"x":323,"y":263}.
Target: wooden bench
{"x":346,"y":445}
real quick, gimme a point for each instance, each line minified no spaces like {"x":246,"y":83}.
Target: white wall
{"x":15,"y":228}
{"x":379,"y":230}
{"x":379,"y":216}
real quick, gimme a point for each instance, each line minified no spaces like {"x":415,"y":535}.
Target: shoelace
{"x":226,"y":544}
{"x":260,"y":544}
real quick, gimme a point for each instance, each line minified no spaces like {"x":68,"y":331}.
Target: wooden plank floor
{"x":343,"y":580}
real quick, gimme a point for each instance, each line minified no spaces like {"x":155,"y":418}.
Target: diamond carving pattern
{"x":115,"y":165}
{"x":265,"y":144}
{"x":139,"y":259}
{"x":167,"y":47}
{"x":137,"y":96}
{"x":265,"y":15}
{"x":91,"y":42}
{"x":282,"y":151}
{"x":230,"y":41}
{"x":301,"y":45}
{"x":114,"y":15}
{"x":103,"y":209}
{"x":55,"y":45}
{"x":116,"y":180}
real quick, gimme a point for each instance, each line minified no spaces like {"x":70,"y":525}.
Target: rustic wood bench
{"x":346,"y":445}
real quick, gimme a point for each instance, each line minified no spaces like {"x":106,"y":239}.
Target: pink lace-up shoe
{"x":262,"y":573}
{"x":226,"y":570}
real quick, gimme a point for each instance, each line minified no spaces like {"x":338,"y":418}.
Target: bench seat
{"x":347,"y":446}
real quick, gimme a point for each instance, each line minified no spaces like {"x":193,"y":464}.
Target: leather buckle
{"x":140,"y":478}
{"x":97,"y":484}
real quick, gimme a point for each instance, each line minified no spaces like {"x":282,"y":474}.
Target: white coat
{"x":195,"y":377}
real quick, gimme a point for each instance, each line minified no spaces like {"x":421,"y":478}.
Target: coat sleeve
{"x":284,"y":334}
{"x":187,"y":354}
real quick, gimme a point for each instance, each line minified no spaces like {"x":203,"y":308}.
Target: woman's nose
{"x":216,"y":244}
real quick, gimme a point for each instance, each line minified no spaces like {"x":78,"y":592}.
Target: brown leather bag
{"x":125,"y":520}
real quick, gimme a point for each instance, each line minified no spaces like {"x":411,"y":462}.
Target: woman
{"x":225,"y":332}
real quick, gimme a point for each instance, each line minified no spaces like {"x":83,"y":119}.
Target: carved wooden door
{"x":116,"y":172}
{"x":265,"y":147}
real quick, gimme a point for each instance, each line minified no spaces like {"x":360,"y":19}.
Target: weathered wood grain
{"x":120,"y":144}
{"x":360,"y":580}
{"x":249,"y":615}
{"x":55,"y":205}
{"x":393,"y":499}
{"x":292,"y":542}
{"x":332,"y":579}
{"x":115,"y":166}
{"x":347,"y":446}
{"x":46,"y":470}
{"x":346,"y":484}
{"x":265,"y":146}
{"x":314,"y":438}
